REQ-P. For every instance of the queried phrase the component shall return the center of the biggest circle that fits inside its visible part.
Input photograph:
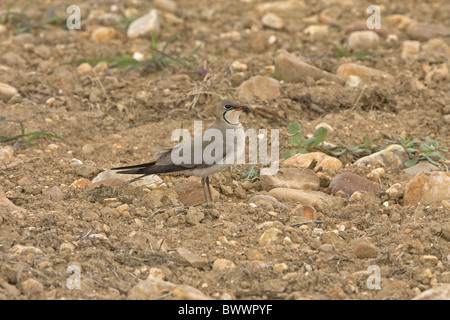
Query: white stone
(144, 26)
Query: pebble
(194, 216)
(353, 69)
(81, 183)
(253, 254)
(376, 174)
(366, 250)
(439, 291)
(427, 188)
(221, 264)
(303, 160)
(429, 259)
(239, 66)
(316, 32)
(144, 26)
(102, 34)
(84, 69)
(362, 26)
(410, 50)
(55, 194)
(280, 267)
(316, 199)
(272, 21)
(326, 247)
(191, 192)
(282, 8)
(393, 190)
(67, 246)
(151, 180)
(393, 156)
(269, 199)
(33, 289)
(421, 166)
(270, 236)
(291, 178)
(435, 50)
(193, 259)
(6, 205)
(7, 91)
(154, 289)
(348, 183)
(423, 31)
(232, 35)
(359, 41)
(20, 249)
(437, 73)
(259, 88)
(400, 21)
(291, 69)
(167, 5)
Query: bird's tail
(144, 169)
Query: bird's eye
(228, 107)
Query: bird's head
(229, 111)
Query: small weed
(251, 173)
(25, 138)
(21, 22)
(343, 52)
(426, 150)
(159, 59)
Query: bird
(227, 117)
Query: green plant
(426, 150)
(159, 59)
(251, 173)
(343, 52)
(21, 22)
(25, 138)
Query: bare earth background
(118, 235)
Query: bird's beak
(243, 108)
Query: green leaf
(287, 154)
(296, 140)
(309, 142)
(411, 162)
(320, 135)
(294, 127)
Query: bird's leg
(209, 189)
(204, 189)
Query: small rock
(394, 190)
(366, 250)
(259, 88)
(435, 50)
(154, 289)
(316, 32)
(303, 160)
(167, 5)
(102, 34)
(253, 254)
(353, 69)
(439, 291)
(437, 73)
(410, 50)
(319, 200)
(144, 26)
(282, 8)
(423, 31)
(81, 183)
(348, 183)
(393, 156)
(267, 198)
(67, 246)
(194, 216)
(427, 188)
(429, 259)
(7, 91)
(359, 41)
(19, 249)
(55, 194)
(421, 166)
(33, 289)
(151, 180)
(362, 26)
(6, 206)
(233, 35)
(239, 66)
(291, 69)
(192, 258)
(291, 178)
(223, 264)
(280, 267)
(376, 174)
(326, 247)
(191, 192)
(84, 69)
(400, 21)
(269, 236)
(272, 21)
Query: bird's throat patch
(232, 117)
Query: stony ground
(259, 239)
